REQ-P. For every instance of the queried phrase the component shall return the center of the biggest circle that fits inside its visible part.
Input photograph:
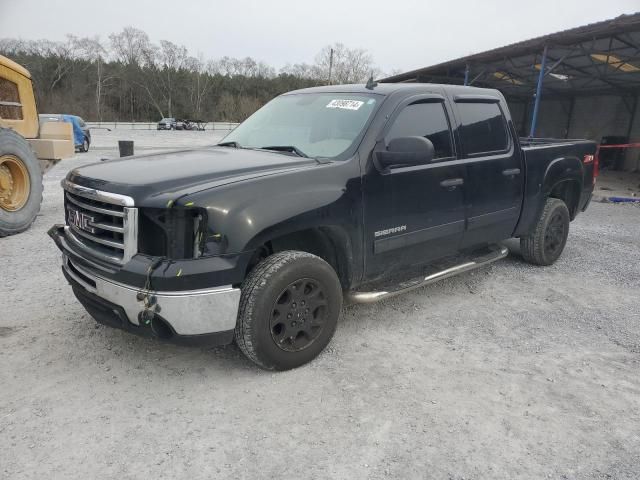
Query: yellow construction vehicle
(26, 149)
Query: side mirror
(405, 151)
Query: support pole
(466, 75)
(477, 77)
(536, 105)
(572, 103)
(632, 118)
(626, 165)
(330, 64)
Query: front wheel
(289, 310)
(85, 145)
(548, 240)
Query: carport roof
(599, 58)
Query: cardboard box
(56, 131)
(52, 149)
(55, 142)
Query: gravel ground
(508, 372)
(618, 184)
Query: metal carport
(589, 88)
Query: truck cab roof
(387, 89)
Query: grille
(101, 224)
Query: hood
(154, 179)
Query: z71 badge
(382, 233)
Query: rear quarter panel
(546, 166)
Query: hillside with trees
(130, 78)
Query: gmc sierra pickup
(353, 191)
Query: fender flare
(560, 170)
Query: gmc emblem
(80, 220)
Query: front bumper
(206, 316)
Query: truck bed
(526, 142)
(547, 157)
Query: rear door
(414, 214)
(493, 186)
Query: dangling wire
(146, 290)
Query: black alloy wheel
(555, 234)
(547, 241)
(298, 315)
(289, 308)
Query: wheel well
(569, 192)
(329, 243)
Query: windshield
(316, 124)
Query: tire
(85, 145)
(17, 158)
(549, 238)
(284, 283)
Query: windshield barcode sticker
(345, 104)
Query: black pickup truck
(343, 192)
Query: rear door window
(483, 128)
(426, 119)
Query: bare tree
(129, 77)
(131, 46)
(95, 52)
(199, 84)
(246, 105)
(63, 54)
(299, 70)
(391, 73)
(13, 46)
(172, 60)
(226, 66)
(347, 66)
(243, 67)
(226, 107)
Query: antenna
(371, 83)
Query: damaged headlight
(176, 232)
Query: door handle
(451, 182)
(511, 172)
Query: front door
(414, 214)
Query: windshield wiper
(286, 148)
(229, 144)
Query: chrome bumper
(189, 312)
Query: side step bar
(497, 253)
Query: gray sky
(400, 34)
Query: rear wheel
(548, 240)
(20, 184)
(289, 310)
